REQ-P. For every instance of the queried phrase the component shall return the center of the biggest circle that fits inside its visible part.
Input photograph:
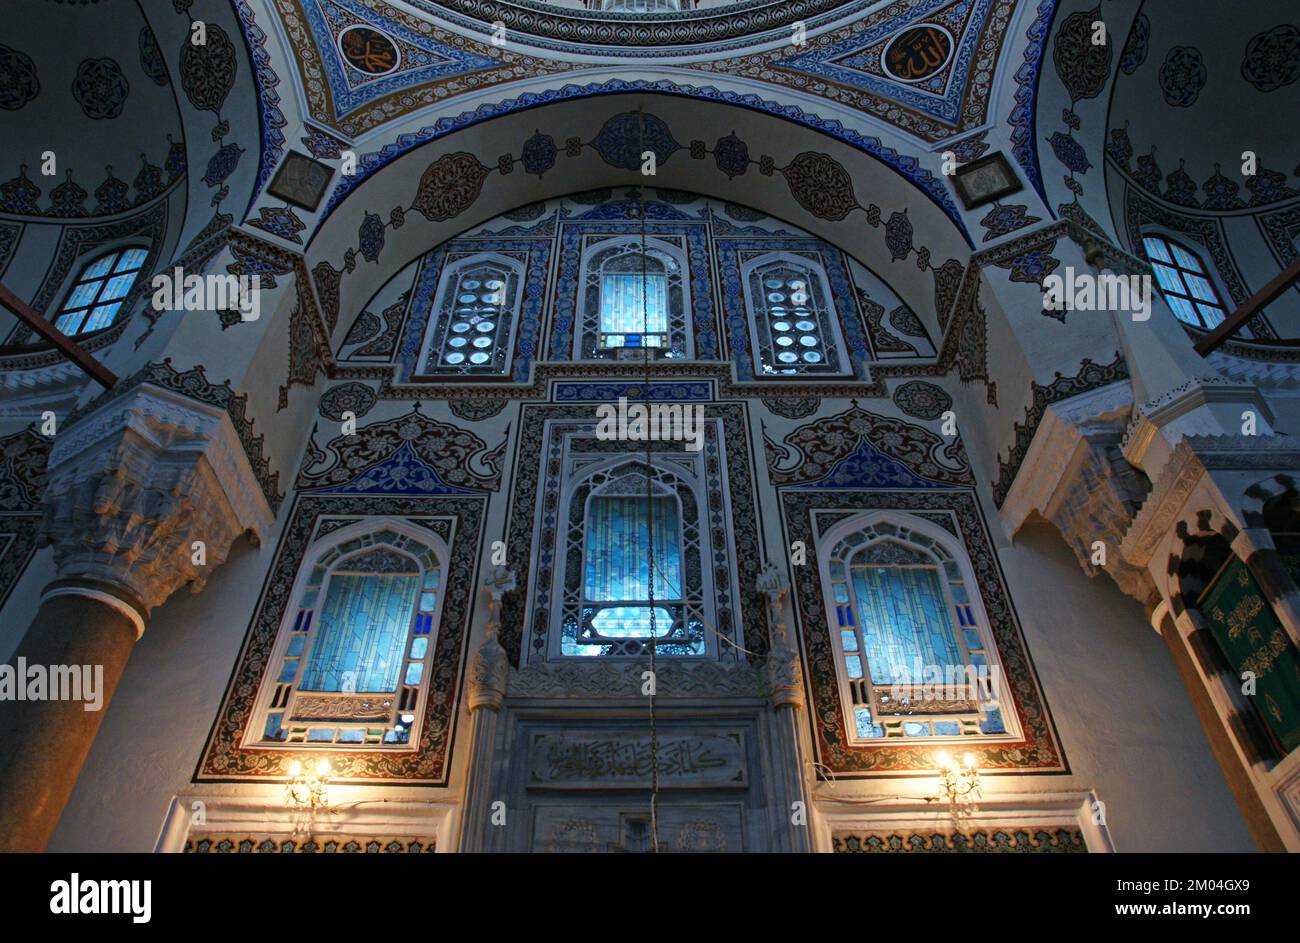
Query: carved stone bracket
(1074, 476)
(784, 675)
(490, 666)
(137, 481)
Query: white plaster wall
(1124, 716)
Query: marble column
(147, 492)
(486, 690)
(791, 796)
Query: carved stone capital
(134, 483)
(784, 678)
(488, 671)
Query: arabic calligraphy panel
(918, 53)
(603, 761)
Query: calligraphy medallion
(917, 53)
(369, 50)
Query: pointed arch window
(914, 654)
(1186, 282)
(793, 323)
(350, 666)
(633, 299)
(614, 516)
(97, 296)
(473, 320)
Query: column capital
(490, 666)
(136, 481)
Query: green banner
(1252, 638)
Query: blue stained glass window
(866, 726)
(633, 309)
(905, 621)
(617, 565)
(363, 628)
(992, 722)
(96, 298)
(1183, 281)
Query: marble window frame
(697, 597)
(253, 734)
(842, 367)
(587, 321)
(828, 545)
(446, 277)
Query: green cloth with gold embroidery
(1252, 638)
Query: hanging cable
(649, 500)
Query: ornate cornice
(638, 34)
(605, 679)
(1091, 377)
(147, 491)
(1050, 449)
(194, 384)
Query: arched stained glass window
(350, 667)
(915, 660)
(1185, 282)
(100, 291)
(472, 323)
(633, 300)
(792, 318)
(614, 517)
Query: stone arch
(830, 186)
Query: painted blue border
(425, 291)
(909, 168)
(1023, 120)
(945, 107)
(348, 96)
(269, 114)
(844, 303)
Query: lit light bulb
(944, 758)
(969, 760)
(323, 767)
(295, 768)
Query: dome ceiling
(560, 26)
(925, 68)
(1195, 89)
(89, 86)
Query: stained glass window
(633, 310)
(634, 297)
(620, 531)
(913, 658)
(471, 326)
(1185, 283)
(614, 519)
(904, 620)
(100, 291)
(363, 625)
(352, 663)
(792, 317)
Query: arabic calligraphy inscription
(918, 53)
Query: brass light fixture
(307, 789)
(960, 783)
